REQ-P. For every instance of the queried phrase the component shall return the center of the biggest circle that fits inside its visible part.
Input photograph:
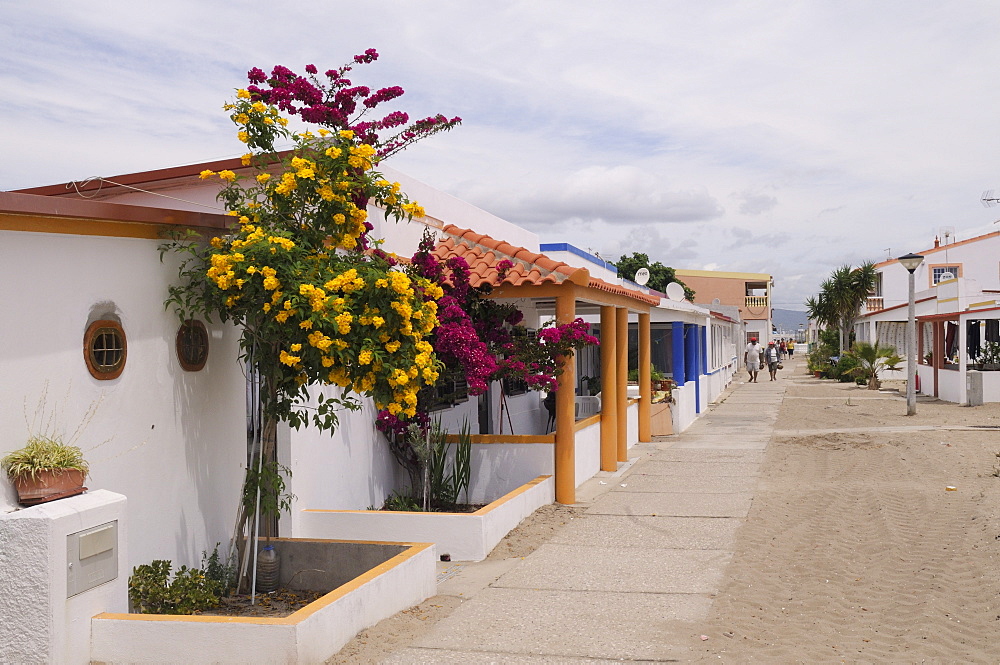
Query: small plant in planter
(46, 469)
(990, 356)
(151, 591)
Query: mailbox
(91, 558)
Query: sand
(854, 549)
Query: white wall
(587, 446)
(173, 442)
(978, 260)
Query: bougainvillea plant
(482, 338)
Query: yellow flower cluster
(346, 282)
(361, 156)
(288, 184)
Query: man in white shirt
(751, 358)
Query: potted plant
(990, 356)
(46, 469)
(656, 378)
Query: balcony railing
(756, 302)
(875, 303)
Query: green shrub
(151, 591)
(221, 572)
(402, 502)
(844, 371)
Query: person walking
(772, 357)
(791, 347)
(751, 358)
(782, 349)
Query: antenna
(947, 234)
(888, 253)
(988, 200)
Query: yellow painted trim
(80, 227)
(485, 509)
(356, 583)
(759, 276)
(586, 422)
(505, 438)
(947, 299)
(296, 617)
(985, 303)
(510, 495)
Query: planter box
(465, 536)
(373, 581)
(49, 485)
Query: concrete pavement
(633, 577)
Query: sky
(782, 137)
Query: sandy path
(854, 551)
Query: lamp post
(911, 262)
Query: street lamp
(911, 262)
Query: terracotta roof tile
(483, 253)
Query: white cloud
(841, 127)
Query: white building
(957, 298)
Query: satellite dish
(675, 291)
(642, 276)
(716, 301)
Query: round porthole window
(104, 349)
(192, 345)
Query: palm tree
(841, 298)
(872, 361)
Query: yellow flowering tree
(317, 304)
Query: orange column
(565, 454)
(609, 390)
(621, 369)
(645, 386)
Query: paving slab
(643, 531)
(717, 442)
(583, 624)
(676, 504)
(584, 568)
(674, 454)
(641, 482)
(654, 467)
(418, 656)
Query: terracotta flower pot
(49, 485)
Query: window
(451, 389)
(105, 349)
(938, 272)
(192, 345)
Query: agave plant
(872, 360)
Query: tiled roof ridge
(528, 260)
(528, 263)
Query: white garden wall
(173, 442)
